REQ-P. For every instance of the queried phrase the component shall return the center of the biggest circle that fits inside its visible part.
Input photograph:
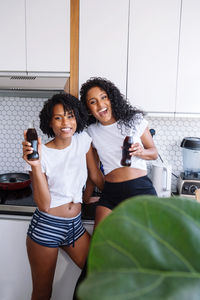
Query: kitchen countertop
(24, 205)
(21, 203)
(88, 210)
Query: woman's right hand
(27, 149)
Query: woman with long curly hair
(111, 119)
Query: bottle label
(34, 145)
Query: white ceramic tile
(168, 137)
(15, 115)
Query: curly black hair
(70, 103)
(123, 112)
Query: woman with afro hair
(58, 178)
(111, 119)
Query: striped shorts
(52, 231)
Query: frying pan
(14, 181)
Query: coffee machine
(189, 179)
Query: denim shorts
(116, 192)
(52, 231)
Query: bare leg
(101, 213)
(79, 252)
(43, 263)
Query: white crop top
(108, 141)
(66, 170)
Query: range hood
(33, 84)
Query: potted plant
(147, 248)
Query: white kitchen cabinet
(188, 93)
(15, 274)
(48, 35)
(35, 36)
(153, 54)
(12, 36)
(103, 40)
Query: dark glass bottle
(126, 157)
(32, 138)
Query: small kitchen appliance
(161, 178)
(189, 179)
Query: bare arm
(94, 172)
(148, 151)
(89, 188)
(40, 189)
(38, 178)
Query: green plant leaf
(147, 248)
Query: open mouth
(103, 111)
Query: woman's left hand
(136, 149)
(147, 149)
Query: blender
(189, 179)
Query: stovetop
(19, 202)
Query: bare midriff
(68, 210)
(124, 174)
